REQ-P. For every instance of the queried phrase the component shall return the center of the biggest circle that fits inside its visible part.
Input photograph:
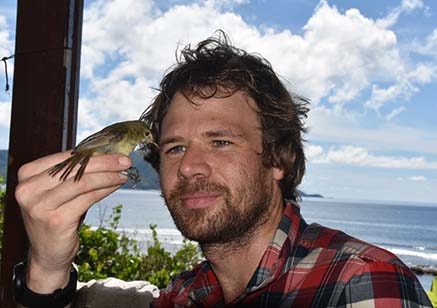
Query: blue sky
(369, 68)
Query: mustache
(188, 187)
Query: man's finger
(40, 165)
(81, 204)
(89, 183)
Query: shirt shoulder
(327, 254)
(330, 255)
(317, 237)
(333, 267)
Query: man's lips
(199, 200)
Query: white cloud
(6, 50)
(125, 55)
(359, 156)
(5, 114)
(406, 6)
(430, 46)
(338, 58)
(122, 100)
(404, 88)
(338, 55)
(110, 30)
(410, 5)
(143, 42)
(5, 41)
(225, 4)
(418, 178)
(425, 47)
(380, 96)
(345, 127)
(407, 82)
(423, 73)
(394, 113)
(314, 152)
(414, 178)
(6, 44)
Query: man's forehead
(232, 115)
(235, 101)
(208, 127)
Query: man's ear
(278, 174)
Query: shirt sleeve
(382, 284)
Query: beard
(233, 220)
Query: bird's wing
(101, 139)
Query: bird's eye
(147, 134)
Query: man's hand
(52, 212)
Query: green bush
(106, 252)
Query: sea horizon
(330, 198)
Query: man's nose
(194, 164)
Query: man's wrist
(27, 297)
(43, 281)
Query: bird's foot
(133, 175)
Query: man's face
(212, 176)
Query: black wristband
(27, 298)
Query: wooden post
(44, 105)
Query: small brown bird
(122, 138)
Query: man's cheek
(168, 183)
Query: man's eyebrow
(222, 133)
(168, 140)
(219, 133)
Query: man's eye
(221, 143)
(175, 150)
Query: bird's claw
(133, 175)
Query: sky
(368, 67)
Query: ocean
(409, 230)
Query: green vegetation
(106, 252)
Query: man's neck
(235, 263)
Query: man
(231, 157)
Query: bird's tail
(69, 165)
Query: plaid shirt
(307, 266)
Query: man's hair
(214, 68)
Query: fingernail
(124, 161)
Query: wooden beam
(44, 105)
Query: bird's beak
(145, 145)
(154, 143)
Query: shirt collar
(205, 284)
(282, 245)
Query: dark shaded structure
(44, 105)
